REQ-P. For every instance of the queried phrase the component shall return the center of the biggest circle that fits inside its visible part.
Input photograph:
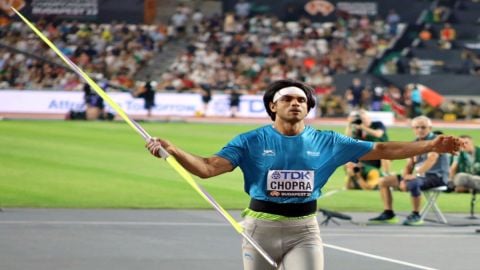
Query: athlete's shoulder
(258, 132)
(326, 133)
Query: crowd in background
(114, 52)
(406, 102)
(237, 52)
(439, 33)
(252, 51)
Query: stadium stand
(113, 51)
(192, 48)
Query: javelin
(163, 153)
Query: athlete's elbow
(204, 174)
(382, 151)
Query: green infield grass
(57, 164)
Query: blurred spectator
(147, 92)
(360, 126)
(393, 19)
(414, 100)
(206, 93)
(376, 99)
(262, 48)
(354, 94)
(421, 172)
(197, 19)
(229, 25)
(332, 105)
(184, 9)
(115, 50)
(361, 176)
(447, 37)
(465, 168)
(95, 108)
(179, 21)
(425, 34)
(440, 13)
(243, 8)
(235, 92)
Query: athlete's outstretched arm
(203, 167)
(401, 150)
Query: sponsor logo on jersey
(268, 152)
(290, 183)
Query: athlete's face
(421, 129)
(290, 108)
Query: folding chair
(431, 196)
(472, 204)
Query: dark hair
(277, 85)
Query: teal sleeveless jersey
(290, 169)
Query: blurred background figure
(361, 176)
(243, 8)
(95, 108)
(421, 172)
(465, 168)
(206, 92)
(360, 126)
(235, 94)
(376, 99)
(447, 37)
(147, 92)
(413, 100)
(354, 94)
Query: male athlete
(285, 165)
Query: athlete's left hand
(447, 144)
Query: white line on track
(331, 192)
(378, 257)
(402, 235)
(107, 223)
(337, 233)
(213, 224)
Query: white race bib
(290, 183)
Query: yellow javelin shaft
(170, 160)
(186, 175)
(134, 125)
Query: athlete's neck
(289, 129)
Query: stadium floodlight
(163, 153)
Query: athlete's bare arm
(401, 150)
(203, 167)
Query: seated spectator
(465, 168)
(425, 34)
(421, 172)
(447, 36)
(361, 176)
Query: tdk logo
(291, 175)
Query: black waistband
(284, 209)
